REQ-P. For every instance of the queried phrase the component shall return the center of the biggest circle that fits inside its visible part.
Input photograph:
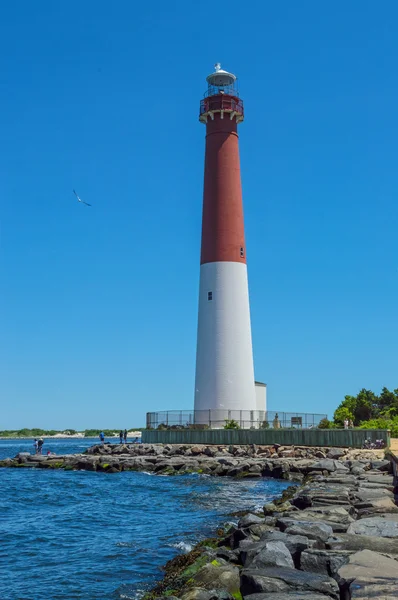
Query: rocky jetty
(291, 463)
(336, 537)
(332, 536)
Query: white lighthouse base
(224, 359)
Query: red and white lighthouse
(224, 358)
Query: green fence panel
(340, 438)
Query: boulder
(294, 543)
(271, 554)
(195, 594)
(281, 579)
(292, 596)
(343, 541)
(217, 575)
(23, 456)
(381, 465)
(374, 526)
(310, 529)
(331, 513)
(364, 494)
(377, 507)
(314, 495)
(272, 508)
(381, 479)
(258, 530)
(323, 561)
(336, 453)
(329, 465)
(369, 574)
(231, 556)
(196, 450)
(357, 471)
(250, 519)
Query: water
(84, 535)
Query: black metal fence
(243, 419)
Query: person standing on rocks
(40, 445)
(121, 436)
(102, 437)
(125, 436)
(36, 445)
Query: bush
(391, 424)
(325, 424)
(231, 424)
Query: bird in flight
(80, 200)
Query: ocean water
(84, 535)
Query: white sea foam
(184, 546)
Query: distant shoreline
(74, 436)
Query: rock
(357, 470)
(336, 453)
(23, 456)
(331, 513)
(321, 455)
(196, 450)
(294, 543)
(314, 495)
(271, 508)
(280, 579)
(364, 494)
(211, 451)
(292, 596)
(326, 465)
(271, 554)
(377, 507)
(259, 530)
(196, 594)
(249, 519)
(343, 541)
(379, 479)
(216, 575)
(381, 465)
(368, 485)
(237, 536)
(323, 561)
(231, 556)
(374, 526)
(370, 575)
(311, 530)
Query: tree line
(368, 411)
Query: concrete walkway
(394, 446)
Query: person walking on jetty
(121, 436)
(125, 436)
(36, 445)
(40, 445)
(102, 437)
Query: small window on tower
(210, 295)
(242, 252)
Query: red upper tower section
(223, 237)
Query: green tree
(388, 403)
(341, 414)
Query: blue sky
(98, 305)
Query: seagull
(80, 200)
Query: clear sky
(98, 305)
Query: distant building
(261, 395)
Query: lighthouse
(224, 381)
